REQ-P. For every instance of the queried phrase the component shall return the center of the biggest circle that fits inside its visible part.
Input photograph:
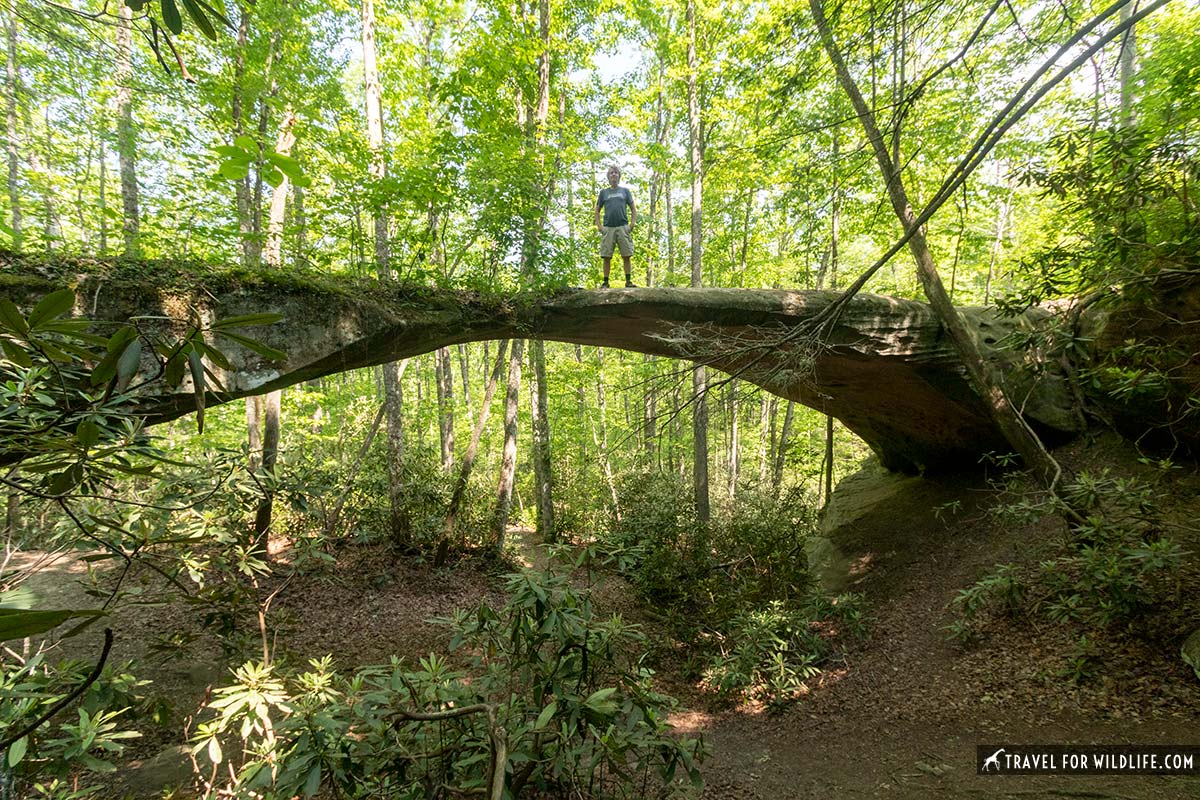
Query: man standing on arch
(615, 229)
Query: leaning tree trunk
(988, 386)
(468, 460)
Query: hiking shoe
(628, 284)
(604, 285)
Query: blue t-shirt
(613, 201)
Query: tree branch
(66, 701)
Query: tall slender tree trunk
(378, 166)
(238, 108)
(464, 364)
(835, 207)
(253, 432)
(264, 121)
(12, 85)
(1002, 212)
(734, 444)
(581, 405)
(270, 454)
(126, 135)
(699, 379)
(541, 444)
(988, 386)
(299, 227)
(694, 148)
(508, 463)
(103, 197)
(272, 401)
(52, 228)
(273, 254)
(829, 265)
(781, 449)
(650, 408)
(765, 433)
(600, 432)
(670, 225)
(656, 180)
(393, 398)
(392, 372)
(828, 459)
(444, 377)
(542, 467)
(1127, 59)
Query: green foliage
(738, 589)
(770, 653)
(578, 714)
(55, 752)
(1002, 589)
(1114, 567)
(1083, 661)
(245, 153)
(65, 420)
(1123, 190)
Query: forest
(337, 464)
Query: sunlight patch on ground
(690, 722)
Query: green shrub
(64, 753)
(575, 712)
(1111, 568)
(737, 591)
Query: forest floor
(898, 716)
(902, 716)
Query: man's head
(614, 175)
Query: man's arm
(599, 205)
(632, 211)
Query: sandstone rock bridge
(886, 369)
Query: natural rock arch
(885, 370)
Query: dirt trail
(903, 716)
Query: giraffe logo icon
(993, 760)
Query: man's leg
(607, 268)
(627, 259)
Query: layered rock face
(885, 369)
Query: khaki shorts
(617, 238)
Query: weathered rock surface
(1147, 362)
(834, 557)
(885, 369)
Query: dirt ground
(903, 715)
(899, 716)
